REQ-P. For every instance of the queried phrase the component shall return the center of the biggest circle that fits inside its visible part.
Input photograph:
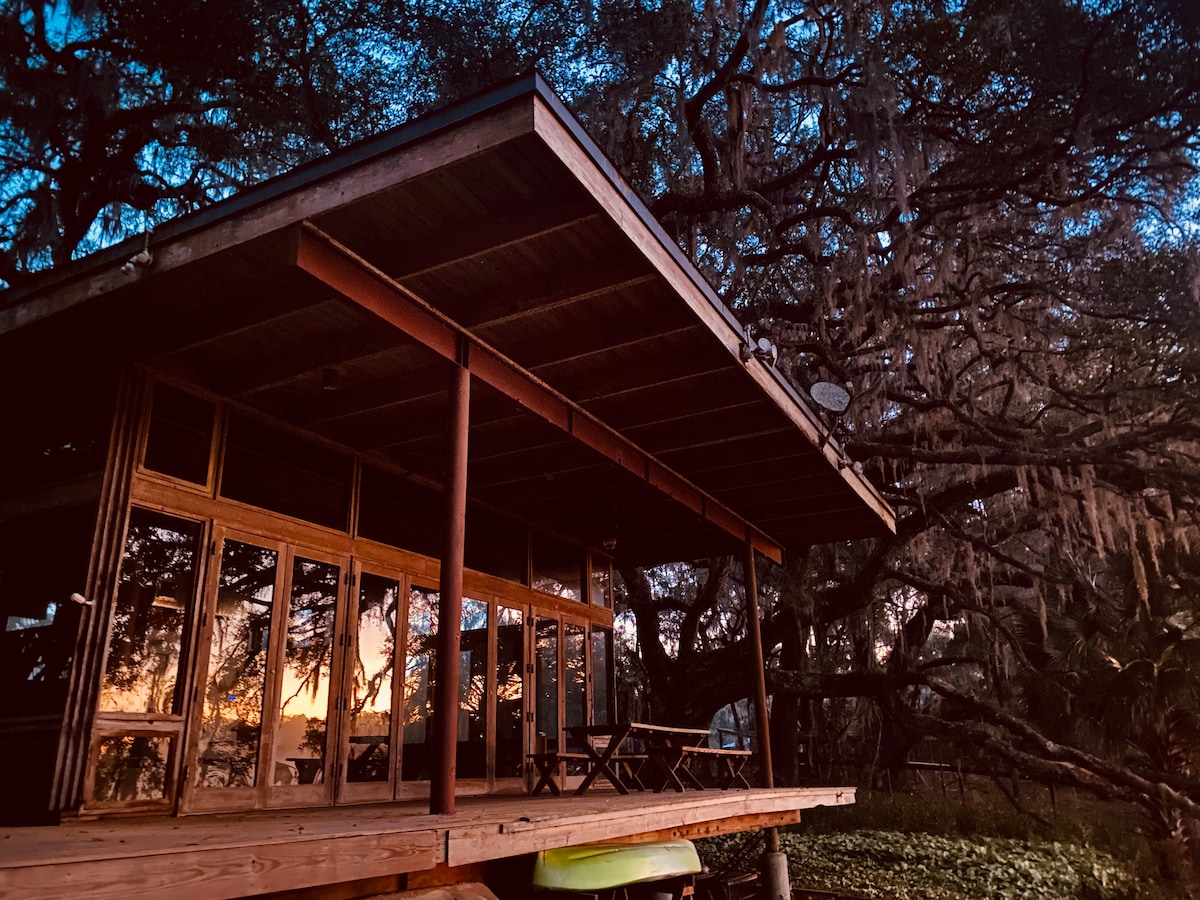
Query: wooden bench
(627, 766)
(674, 765)
(547, 764)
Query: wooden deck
(218, 856)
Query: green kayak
(596, 866)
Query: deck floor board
(236, 854)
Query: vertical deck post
(760, 674)
(446, 660)
(774, 862)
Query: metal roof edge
(570, 122)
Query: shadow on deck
(238, 855)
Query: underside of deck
(293, 850)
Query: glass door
(143, 697)
(575, 710)
(240, 617)
(546, 667)
(376, 621)
(473, 673)
(304, 740)
(510, 694)
(416, 701)
(265, 665)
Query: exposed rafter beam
(360, 283)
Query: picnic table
(609, 751)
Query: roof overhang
(610, 389)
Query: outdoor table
(307, 768)
(604, 745)
(372, 741)
(674, 764)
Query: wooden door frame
(192, 797)
(511, 783)
(347, 792)
(277, 796)
(411, 790)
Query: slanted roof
(609, 389)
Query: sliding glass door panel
(375, 623)
(301, 761)
(240, 622)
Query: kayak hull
(598, 866)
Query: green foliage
(907, 866)
(931, 867)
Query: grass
(937, 843)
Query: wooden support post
(446, 660)
(760, 674)
(761, 716)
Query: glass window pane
(399, 512)
(371, 679)
(231, 726)
(306, 667)
(600, 590)
(557, 567)
(546, 687)
(471, 760)
(180, 438)
(284, 473)
(601, 673)
(418, 683)
(131, 767)
(56, 429)
(43, 559)
(153, 606)
(575, 660)
(496, 545)
(510, 692)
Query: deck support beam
(774, 863)
(450, 587)
(761, 721)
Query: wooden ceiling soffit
(563, 357)
(513, 303)
(574, 150)
(338, 268)
(343, 350)
(307, 192)
(460, 244)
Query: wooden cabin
(258, 464)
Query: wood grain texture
(225, 872)
(233, 855)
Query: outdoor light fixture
(762, 350)
(139, 260)
(612, 533)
